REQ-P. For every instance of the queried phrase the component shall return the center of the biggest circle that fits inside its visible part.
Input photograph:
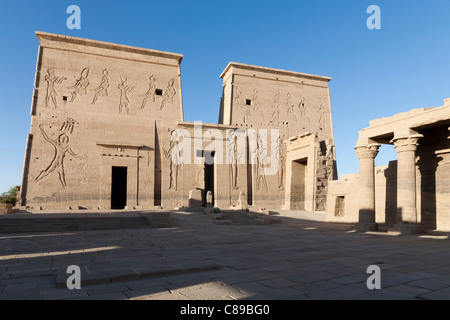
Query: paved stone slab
(282, 261)
(213, 291)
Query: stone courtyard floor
(196, 259)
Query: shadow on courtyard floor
(187, 256)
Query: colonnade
(406, 182)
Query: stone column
(406, 180)
(366, 156)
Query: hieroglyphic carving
(279, 157)
(321, 120)
(51, 91)
(255, 104)
(168, 94)
(173, 154)
(81, 84)
(290, 108)
(235, 156)
(198, 174)
(255, 101)
(281, 172)
(238, 100)
(124, 101)
(102, 89)
(84, 168)
(62, 147)
(276, 108)
(304, 113)
(261, 159)
(247, 113)
(150, 94)
(240, 103)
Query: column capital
(407, 143)
(369, 151)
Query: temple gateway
(108, 132)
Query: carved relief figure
(304, 110)
(102, 89)
(235, 155)
(51, 91)
(238, 100)
(281, 172)
(279, 158)
(62, 147)
(247, 113)
(290, 108)
(83, 167)
(168, 94)
(261, 158)
(321, 116)
(173, 154)
(150, 94)
(276, 108)
(149, 158)
(81, 84)
(198, 175)
(255, 102)
(124, 101)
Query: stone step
(120, 273)
(46, 224)
(223, 222)
(242, 217)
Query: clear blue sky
(376, 73)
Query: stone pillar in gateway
(366, 156)
(406, 178)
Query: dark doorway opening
(298, 184)
(209, 175)
(119, 188)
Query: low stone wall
(6, 208)
(342, 199)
